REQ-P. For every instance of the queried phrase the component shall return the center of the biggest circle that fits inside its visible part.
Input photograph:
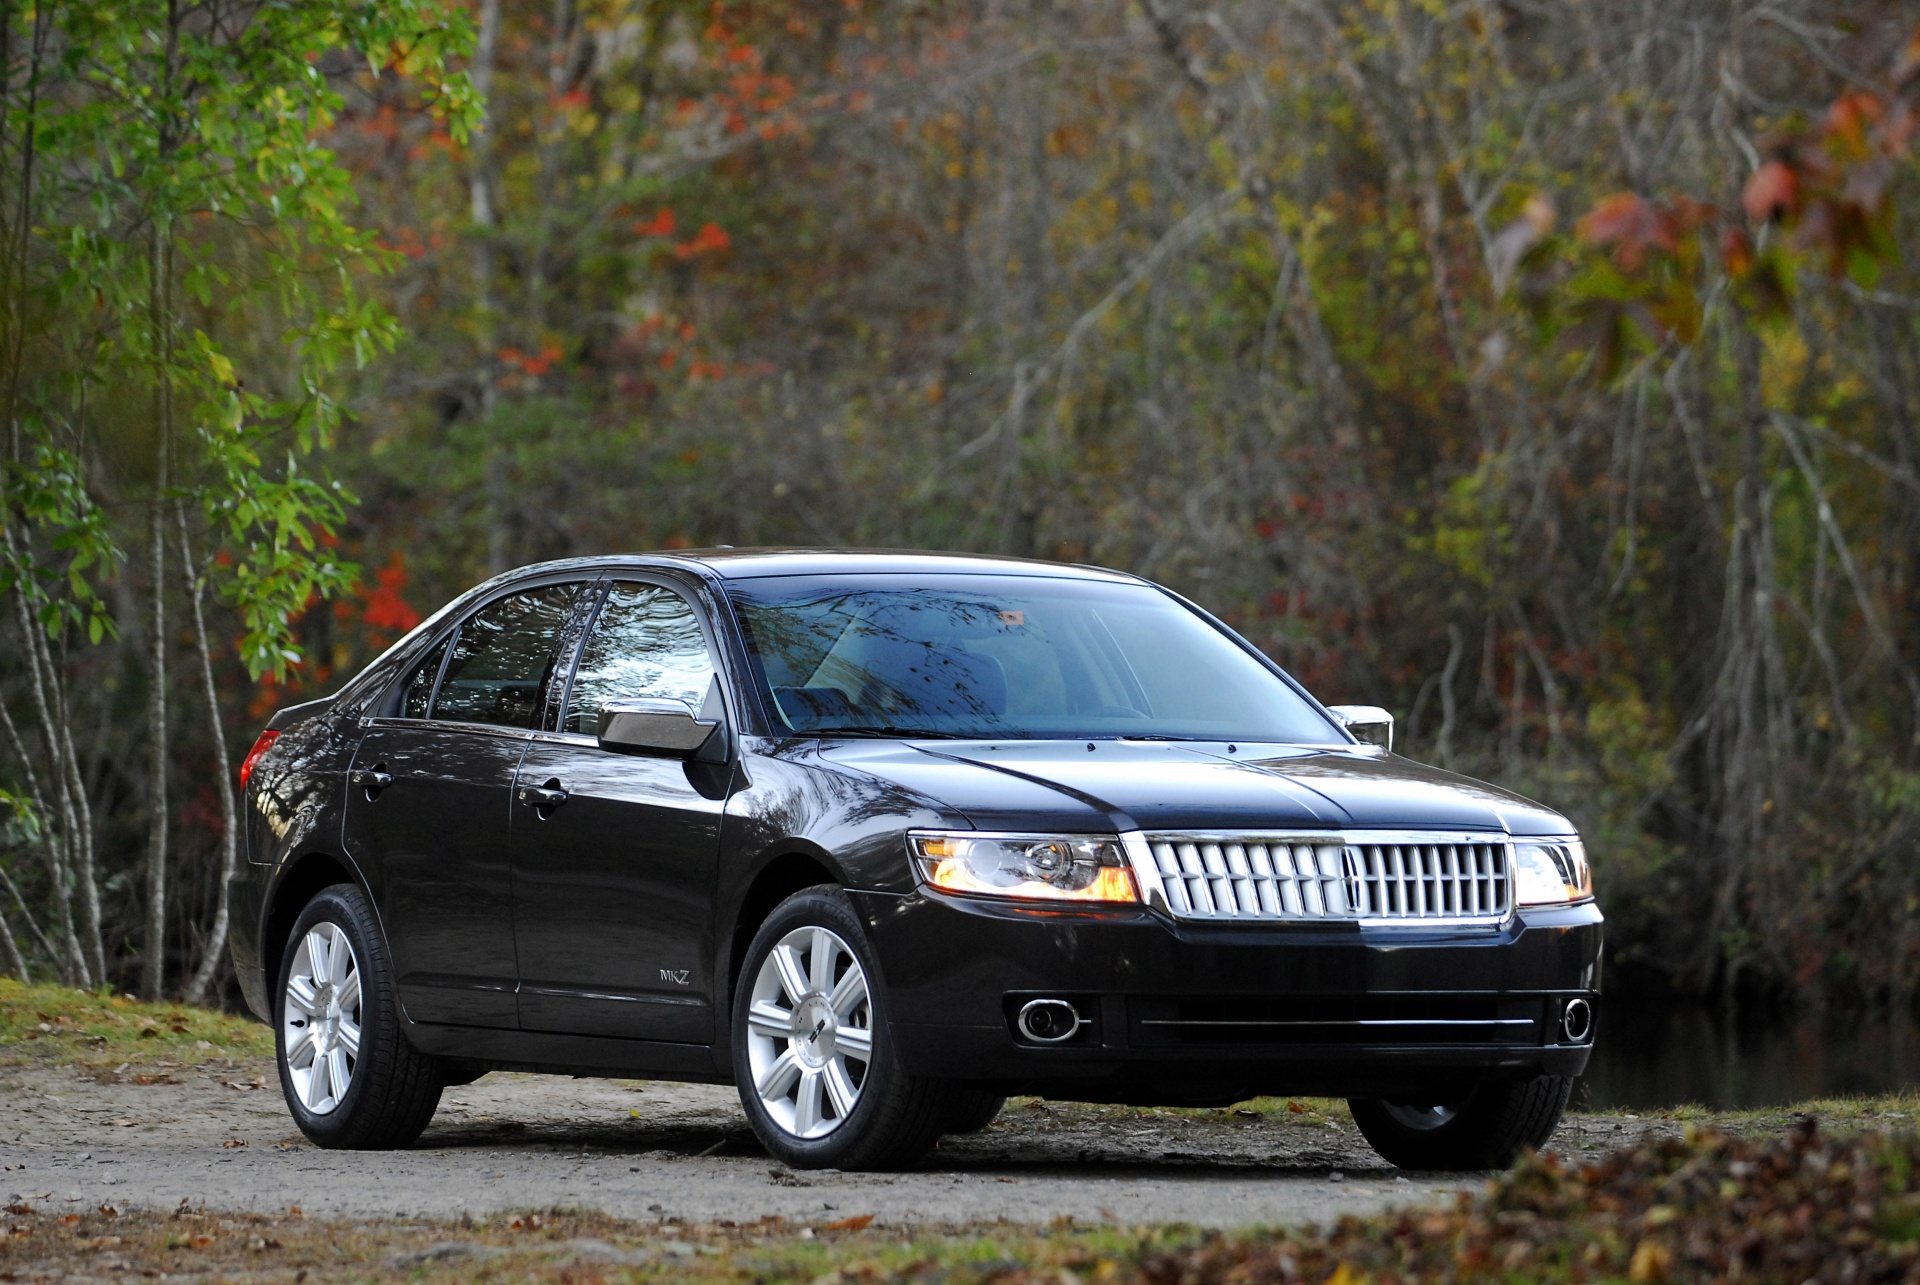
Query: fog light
(1049, 1021)
(1576, 1021)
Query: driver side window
(647, 642)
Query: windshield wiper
(883, 730)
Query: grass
(561, 1245)
(1889, 1110)
(47, 1024)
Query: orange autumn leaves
(518, 364)
(710, 239)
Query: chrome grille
(1364, 876)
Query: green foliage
(47, 492)
(178, 156)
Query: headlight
(1035, 867)
(1551, 874)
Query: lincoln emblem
(1350, 867)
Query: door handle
(372, 779)
(543, 798)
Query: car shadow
(997, 1153)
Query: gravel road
(219, 1136)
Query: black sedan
(883, 838)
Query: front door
(428, 808)
(614, 853)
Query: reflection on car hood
(1160, 785)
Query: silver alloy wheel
(810, 1032)
(321, 1019)
(1422, 1116)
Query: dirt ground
(218, 1136)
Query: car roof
(745, 564)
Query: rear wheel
(350, 1078)
(1482, 1129)
(971, 1110)
(813, 1050)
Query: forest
(1543, 370)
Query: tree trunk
(223, 769)
(15, 959)
(153, 971)
(480, 200)
(46, 947)
(56, 822)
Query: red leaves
(1850, 117)
(385, 608)
(660, 224)
(533, 363)
(711, 238)
(1632, 226)
(1825, 186)
(1772, 193)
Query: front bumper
(1186, 1014)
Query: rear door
(428, 805)
(614, 853)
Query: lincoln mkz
(882, 838)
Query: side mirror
(655, 725)
(1368, 723)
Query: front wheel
(812, 1049)
(1483, 1129)
(350, 1078)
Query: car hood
(1159, 785)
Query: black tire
(970, 1110)
(1485, 1129)
(896, 1117)
(392, 1090)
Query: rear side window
(419, 691)
(503, 658)
(647, 642)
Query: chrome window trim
(446, 725)
(567, 738)
(1138, 846)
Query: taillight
(254, 755)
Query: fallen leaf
(1650, 1261)
(855, 1223)
(231, 1143)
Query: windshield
(1006, 656)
